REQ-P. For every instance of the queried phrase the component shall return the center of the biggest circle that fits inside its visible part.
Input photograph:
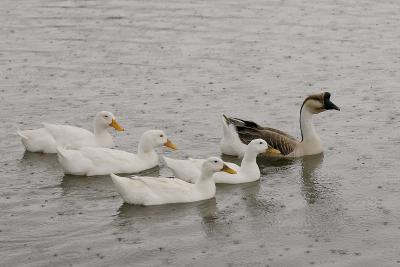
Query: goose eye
(215, 161)
(260, 143)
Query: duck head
(214, 164)
(156, 138)
(258, 146)
(318, 103)
(105, 119)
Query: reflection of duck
(309, 165)
(171, 214)
(86, 186)
(205, 208)
(324, 214)
(49, 161)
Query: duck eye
(215, 161)
(260, 143)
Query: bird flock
(81, 152)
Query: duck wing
(249, 130)
(71, 136)
(151, 190)
(187, 170)
(252, 124)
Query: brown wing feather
(279, 132)
(249, 130)
(282, 142)
(246, 135)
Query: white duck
(238, 133)
(146, 191)
(189, 170)
(91, 161)
(48, 138)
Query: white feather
(160, 190)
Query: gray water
(177, 66)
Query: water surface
(177, 66)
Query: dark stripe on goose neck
(313, 97)
(301, 129)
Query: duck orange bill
(170, 144)
(271, 150)
(116, 126)
(228, 170)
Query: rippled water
(177, 66)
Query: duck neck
(145, 148)
(249, 159)
(308, 133)
(147, 154)
(205, 178)
(249, 167)
(102, 135)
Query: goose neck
(308, 131)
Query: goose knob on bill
(91, 161)
(147, 191)
(48, 138)
(190, 170)
(237, 133)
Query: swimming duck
(237, 132)
(189, 170)
(147, 191)
(91, 161)
(48, 138)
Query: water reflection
(324, 212)
(267, 161)
(39, 160)
(83, 185)
(253, 202)
(264, 161)
(247, 192)
(309, 167)
(232, 159)
(205, 208)
(244, 201)
(128, 215)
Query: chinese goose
(189, 170)
(239, 132)
(48, 138)
(147, 191)
(91, 161)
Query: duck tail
(243, 123)
(61, 151)
(230, 143)
(26, 141)
(229, 124)
(114, 178)
(22, 135)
